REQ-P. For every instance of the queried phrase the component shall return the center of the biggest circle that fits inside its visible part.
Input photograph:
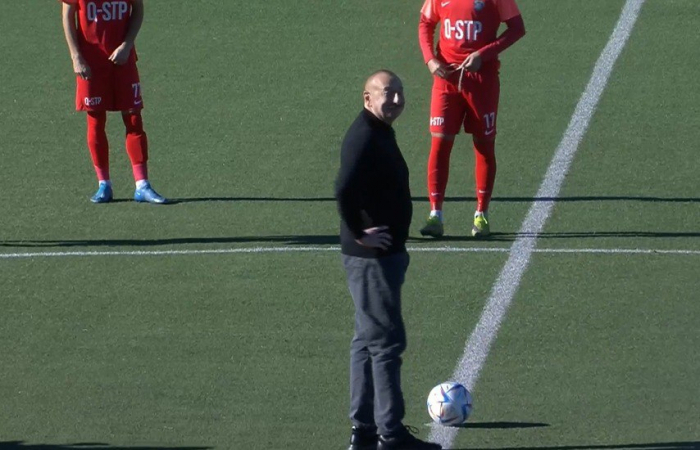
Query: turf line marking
(229, 251)
(477, 347)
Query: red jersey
(102, 27)
(467, 25)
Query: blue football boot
(146, 194)
(103, 194)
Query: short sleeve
(429, 11)
(507, 9)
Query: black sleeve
(351, 186)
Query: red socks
(438, 170)
(485, 172)
(136, 145)
(97, 143)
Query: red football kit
(466, 99)
(102, 26)
(465, 27)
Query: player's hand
(81, 68)
(439, 69)
(376, 237)
(472, 63)
(121, 54)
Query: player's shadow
(690, 445)
(589, 198)
(595, 198)
(330, 239)
(605, 234)
(310, 240)
(20, 445)
(509, 237)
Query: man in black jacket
(374, 201)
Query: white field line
(477, 347)
(248, 250)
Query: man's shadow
(20, 445)
(680, 445)
(689, 445)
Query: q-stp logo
(92, 101)
(107, 11)
(437, 121)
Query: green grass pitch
(246, 104)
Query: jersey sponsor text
(110, 10)
(92, 101)
(437, 121)
(462, 29)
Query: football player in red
(465, 92)
(100, 36)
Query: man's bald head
(383, 95)
(379, 78)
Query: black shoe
(405, 440)
(363, 439)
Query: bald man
(374, 202)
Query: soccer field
(223, 321)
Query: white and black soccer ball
(449, 404)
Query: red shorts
(110, 88)
(475, 107)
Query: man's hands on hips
(439, 68)
(376, 237)
(121, 54)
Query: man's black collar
(374, 121)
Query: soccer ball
(449, 404)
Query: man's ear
(366, 96)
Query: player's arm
(508, 13)
(426, 34)
(514, 32)
(80, 67)
(121, 54)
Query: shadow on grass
(286, 240)
(450, 199)
(19, 445)
(331, 239)
(691, 445)
(509, 237)
(598, 234)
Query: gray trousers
(380, 339)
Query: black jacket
(372, 187)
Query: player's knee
(484, 139)
(97, 116)
(97, 121)
(133, 121)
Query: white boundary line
(249, 250)
(477, 347)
